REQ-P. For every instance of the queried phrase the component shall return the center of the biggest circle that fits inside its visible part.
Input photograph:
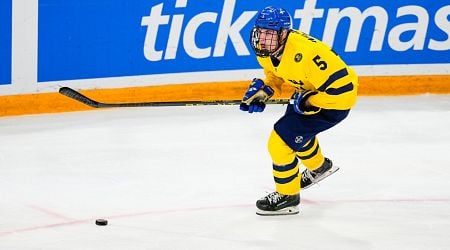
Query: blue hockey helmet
(273, 18)
(267, 37)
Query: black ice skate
(278, 204)
(310, 178)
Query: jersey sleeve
(271, 79)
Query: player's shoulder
(297, 46)
(300, 36)
(303, 40)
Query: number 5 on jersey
(320, 63)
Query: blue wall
(5, 41)
(81, 39)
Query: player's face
(268, 39)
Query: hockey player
(325, 90)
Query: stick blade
(79, 97)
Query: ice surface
(188, 178)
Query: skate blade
(284, 211)
(331, 171)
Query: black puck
(101, 222)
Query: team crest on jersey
(298, 57)
(298, 139)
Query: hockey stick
(71, 93)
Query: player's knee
(279, 151)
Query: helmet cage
(273, 40)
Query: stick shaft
(71, 93)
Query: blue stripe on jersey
(341, 90)
(286, 167)
(334, 77)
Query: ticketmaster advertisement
(81, 39)
(5, 42)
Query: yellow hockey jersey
(309, 64)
